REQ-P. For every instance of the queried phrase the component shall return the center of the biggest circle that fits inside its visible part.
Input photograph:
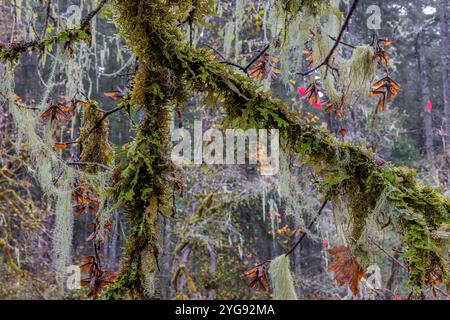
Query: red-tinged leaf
(346, 268)
(386, 42)
(275, 59)
(342, 132)
(94, 201)
(378, 84)
(317, 105)
(381, 103)
(110, 276)
(85, 282)
(429, 106)
(301, 91)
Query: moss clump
(96, 147)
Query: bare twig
(245, 69)
(343, 43)
(87, 19)
(99, 122)
(259, 55)
(309, 227)
(100, 165)
(387, 254)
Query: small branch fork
(244, 69)
(326, 61)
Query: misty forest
(348, 199)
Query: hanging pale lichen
(355, 77)
(281, 279)
(63, 229)
(55, 177)
(238, 20)
(228, 38)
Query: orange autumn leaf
(258, 276)
(85, 104)
(346, 268)
(60, 146)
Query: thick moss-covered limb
(168, 65)
(141, 188)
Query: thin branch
(259, 55)
(309, 227)
(100, 165)
(99, 122)
(343, 43)
(326, 61)
(388, 254)
(245, 69)
(216, 52)
(233, 64)
(87, 19)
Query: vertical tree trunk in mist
(445, 57)
(424, 92)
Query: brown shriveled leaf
(79, 210)
(258, 276)
(261, 67)
(99, 281)
(346, 268)
(59, 112)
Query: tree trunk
(424, 92)
(445, 57)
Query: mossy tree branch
(419, 209)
